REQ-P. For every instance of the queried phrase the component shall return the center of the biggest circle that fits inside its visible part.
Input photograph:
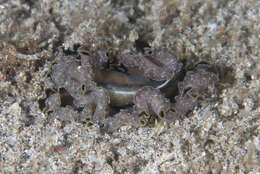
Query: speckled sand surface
(218, 137)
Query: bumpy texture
(79, 94)
(149, 102)
(157, 64)
(73, 81)
(199, 84)
(219, 136)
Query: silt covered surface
(220, 136)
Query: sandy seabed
(221, 136)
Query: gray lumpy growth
(84, 90)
